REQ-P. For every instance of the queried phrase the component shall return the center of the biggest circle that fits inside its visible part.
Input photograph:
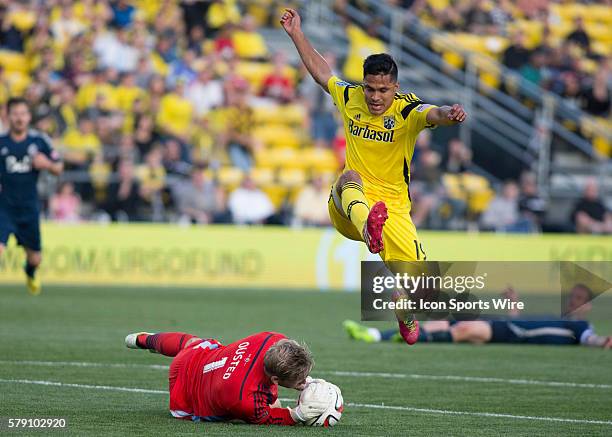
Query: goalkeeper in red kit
(212, 382)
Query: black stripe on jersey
(411, 98)
(346, 95)
(407, 178)
(253, 362)
(261, 399)
(408, 109)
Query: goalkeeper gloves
(313, 401)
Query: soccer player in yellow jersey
(381, 126)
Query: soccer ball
(332, 414)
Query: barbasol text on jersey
(370, 134)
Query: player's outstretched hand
(457, 113)
(291, 21)
(41, 162)
(608, 343)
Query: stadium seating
(61, 70)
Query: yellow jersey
(380, 147)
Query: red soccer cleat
(373, 229)
(409, 331)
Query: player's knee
(348, 176)
(34, 258)
(1, 249)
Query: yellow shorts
(399, 233)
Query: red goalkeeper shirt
(213, 382)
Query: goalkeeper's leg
(165, 343)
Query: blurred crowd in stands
(552, 43)
(179, 111)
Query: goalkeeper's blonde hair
(288, 360)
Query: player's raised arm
(446, 115)
(314, 62)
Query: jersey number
(422, 253)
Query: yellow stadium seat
(259, 11)
(440, 42)
(475, 189)
(603, 146)
(18, 82)
(276, 193)
(599, 32)
(249, 45)
(265, 158)
(492, 45)
(438, 4)
(318, 159)
(292, 177)
(599, 13)
(277, 136)
(474, 183)
(453, 58)
(23, 20)
(229, 176)
(277, 114)
(255, 72)
(479, 201)
(471, 42)
(531, 29)
(263, 176)
(148, 9)
(561, 30)
(13, 61)
(453, 187)
(488, 70)
(567, 12)
(275, 157)
(601, 48)
(589, 66)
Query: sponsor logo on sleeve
(423, 107)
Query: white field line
(467, 379)
(349, 404)
(335, 373)
(87, 386)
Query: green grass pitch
(88, 324)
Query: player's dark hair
(380, 63)
(13, 101)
